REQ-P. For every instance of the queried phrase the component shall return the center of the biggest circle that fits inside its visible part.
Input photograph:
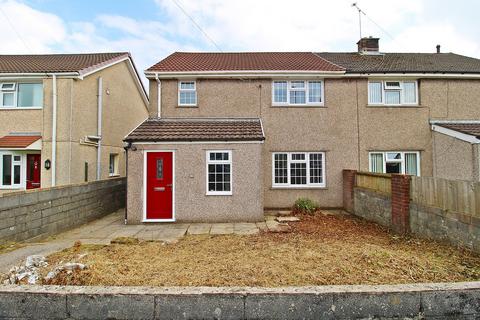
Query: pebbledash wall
(439, 209)
(39, 213)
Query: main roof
(195, 129)
(339, 62)
(57, 63)
(243, 61)
(403, 62)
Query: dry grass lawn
(321, 250)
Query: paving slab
(262, 226)
(287, 219)
(199, 228)
(222, 228)
(245, 228)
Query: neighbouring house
(230, 134)
(63, 117)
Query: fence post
(348, 185)
(401, 203)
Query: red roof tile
(12, 141)
(244, 61)
(472, 129)
(188, 129)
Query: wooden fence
(374, 181)
(451, 195)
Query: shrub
(305, 205)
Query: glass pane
(16, 174)
(314, 91)
(7, 170)
(374, 92)
(392, 97)
(7, 100)
(376, 160)
(298, 173)
(159, 168)
(297, 84)
(394, 156)
(280, 168)
(8, 86)
(280, 91)
(16, 158)
(188, 97)
(394, 167)
(298, 156)
(392, 84)
(297, 97)
(30, 95)
(187, 85)
(409, 92)
(411, 164)
(316, 168)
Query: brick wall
(43, 212)
(400, 203)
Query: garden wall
(440, 209)
(40, 213)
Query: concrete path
(103, 230)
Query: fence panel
(374, 181)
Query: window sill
(21, 108)
(395, 106)
(298, 188)
(187, 106)
(218, 194)
(114, 175)
(298, 106)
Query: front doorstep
(158, 220)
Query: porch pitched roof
(18, 141)
(195, 129)
(466, 130)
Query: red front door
(33, 171)
(159, 186)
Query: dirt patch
(320, 250)
(10, 246)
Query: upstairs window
(187, 93)
(395, 162)
(392, 92)
(21, 95)
(297, 93)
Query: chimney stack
(368, 45)
(438, 48)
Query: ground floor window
(11, 164)
(403, 162)
(298, 169)
(113, 165)
(219, 172)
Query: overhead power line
(176, 2)
(15, 30)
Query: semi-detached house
(63, 117)
(230, 134)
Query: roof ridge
(62, 54)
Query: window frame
(401, 161)
(307, 95)
(208, 161)
(187, 90)
(386, 88)
(116, 163)
(15, 91)
(21, 163)
(289, 184)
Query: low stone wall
(419, 301)
(435, 223)
(373, 206)
(43, 212)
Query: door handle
(169, 185)
(159, 189)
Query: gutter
(99, 127)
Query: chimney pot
(368, 45)
(438, 48)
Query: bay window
(402, 162)
(392, 92)
(21, 95)
(219, 172)
(297, 93)
(298, 169)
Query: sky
(152, 29)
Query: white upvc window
(219, 172)
(298, 169)
(187, 93)
(402, 162)
(393, 92)
(21, 95)
(11, 170)
(113, 165)
(297, 93)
